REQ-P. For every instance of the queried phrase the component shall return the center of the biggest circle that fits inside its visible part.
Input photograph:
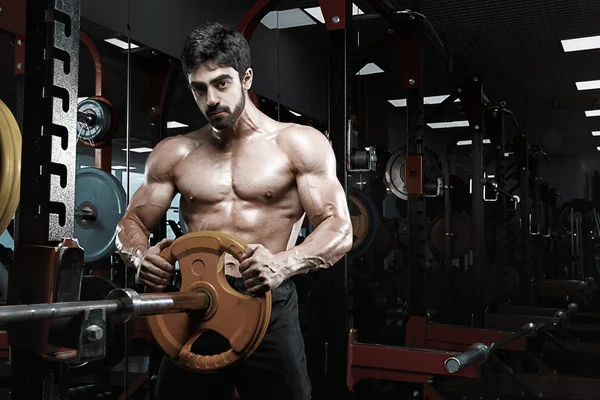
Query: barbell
(205, 301)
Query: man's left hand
(261, 270)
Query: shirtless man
(254, 178)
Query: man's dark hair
(216, 45)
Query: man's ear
(248, 77)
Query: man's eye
(223, 84)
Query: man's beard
(227, 121)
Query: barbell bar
(124, 304)
(478, 353)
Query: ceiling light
(370, 68)
(175, 124)
(317, 13)
(587, 85)
(598, 148)
(120, 167)
(595, 133)
(398, 102)
(140, 150)
(120, 43)
(451, 124)
(469, 142)
(287, 19)
(356, 10)
(295, 113)
(426, 100)
(592, 113)
(437, 99)
(584, 43)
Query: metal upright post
(46, 213)
(536, 228)
(497, 137)
(165, 83)
(338, 16)
(521, 149)
(411, 48)
(473, 101)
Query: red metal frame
(414, 165)
(334, 10)
(398, 363)
(254, 15)
(248, 25)
(421, 334)
(19, 54)
(12, 17)
(91, 46)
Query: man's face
(219, 94)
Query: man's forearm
(325, 246)
(131, 242)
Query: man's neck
(247, 124)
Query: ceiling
(515, 45)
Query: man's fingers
(163, 244)
(152, 269)
(250, 273)
(258, 289)
(152, 279)
(249, 250)
(244, 265)
(158, 261)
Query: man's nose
(212, 97)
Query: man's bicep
(150, 203)
(321, 196)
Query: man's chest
(253, 174)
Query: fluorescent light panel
(175, 124)
(598, 148)
(426, 100)
(592, 113)
(287, 19)
(584, 43)
(120, 167)
(451, 124)
(595, 133)
(588, 85)
(120, 43)
(398, 102)
(140, 150)
(369, 69)
(317, 13)
(295, 113)
(469, 142)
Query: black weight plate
(460, 239)
(103, 119)
(365, 221)
(103, 193)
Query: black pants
(276, 370)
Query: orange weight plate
(241, 319)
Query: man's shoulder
(178, 144)
(170, 151)
(296, 137)
(305, 146)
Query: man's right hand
(154, 272)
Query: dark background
(514, 45)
